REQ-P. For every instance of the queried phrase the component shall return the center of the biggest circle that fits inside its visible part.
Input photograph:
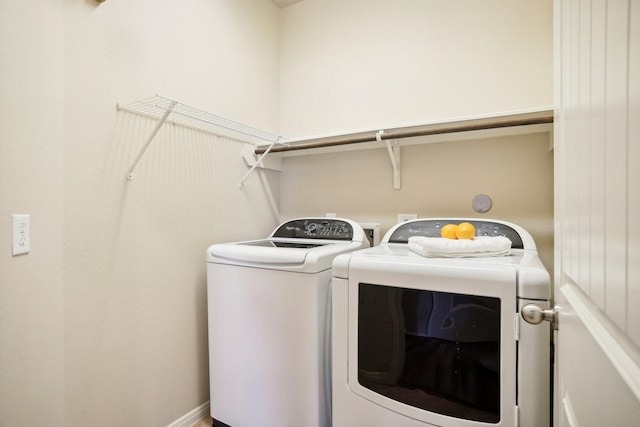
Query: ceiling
(284, 3)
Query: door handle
(533, 314)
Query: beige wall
(135, 286)
(358, 64)
(104, 322)
(122, 261)
(31, 169)
(438, 179)
(373, 64)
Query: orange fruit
(449, 231)
(465, 230)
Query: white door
(597, 262)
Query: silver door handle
(533, 314)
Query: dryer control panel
(312, 228)
(431, 228)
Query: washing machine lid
(272, 251)
(305, 245)
(278, 243)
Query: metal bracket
(257, 163)
(153, 135)
(251, 158)
(393, 148)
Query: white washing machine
(438, 341)
(269, 324)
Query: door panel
(615, 161)
(597, 152)
(633, 191)
(602, 388)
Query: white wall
(31, 169)
(367, 63)
(128, 268)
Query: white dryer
(269, 314)
(423, 341)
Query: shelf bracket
(257, 163)
(251, 158)
(153, 135)
(393, 148)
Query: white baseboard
(192, 417)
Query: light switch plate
(21, 234)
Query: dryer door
(434, 341)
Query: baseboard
(192, 417)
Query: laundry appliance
(269, 317)
(437, 341)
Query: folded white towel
(484, 246)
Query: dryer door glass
(436, 351)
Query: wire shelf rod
(168, 110)
(186, 115)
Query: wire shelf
(168, 110)
(184, 115)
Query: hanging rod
(439, 128)
(169, 111)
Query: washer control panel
(312, 228)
